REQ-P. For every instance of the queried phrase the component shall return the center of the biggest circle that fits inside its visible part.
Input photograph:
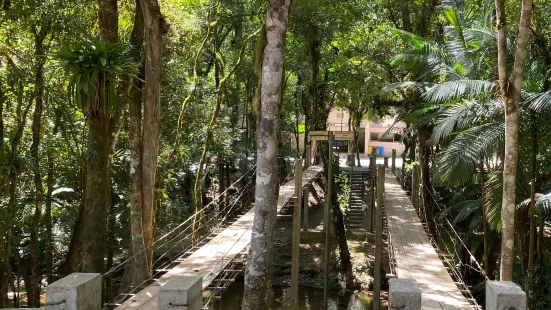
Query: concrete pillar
(404, 294)
(504, 295)
(181, 293)
(77, 291)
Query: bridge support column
(404, 294)
(77, 291)
(181, 293)
(504, 295)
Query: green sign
(301, 128)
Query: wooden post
(296, 235)
(415, 187)
(393, 167)
(386, 161)
(305, 218)
(378, 239)
(308, 156)
(373, 180)
(327, 219)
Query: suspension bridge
(416, 258)
(219, 255)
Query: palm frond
(457, 89)
(540, 102)
(463, 115)
(418, 87)
(459, 160)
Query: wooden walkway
(213, 257)
(415, 256)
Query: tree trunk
(510, 92)
(532, 211)
(96, 194)
(154, 31)
(49, 248)
(259, 263)
(33, 296)
(108, 21)
(428, 201)
(138, 269)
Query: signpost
(344, 135)
(319, 135)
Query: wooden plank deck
(213, 257)
(415, 257)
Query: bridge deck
(213, 257)
(415, 257)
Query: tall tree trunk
(96, 196)
(259, 263)
(155, 28)
(428, 202)
(510, 92)
(532, 211)
(92, 237)
(34, 295)
(49, 248)
(138, 269)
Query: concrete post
(77, 291)
(181, 293)
(404, 294)
(415, 187)
(504, 295)
(393, 167)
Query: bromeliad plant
(94, 68)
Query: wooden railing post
(295, 253)
(327, 219)
(415, 186)
(373, 181)
(378, 238)
(305, 196)
(77, 291)
(393, 167)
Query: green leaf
(103, 61)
